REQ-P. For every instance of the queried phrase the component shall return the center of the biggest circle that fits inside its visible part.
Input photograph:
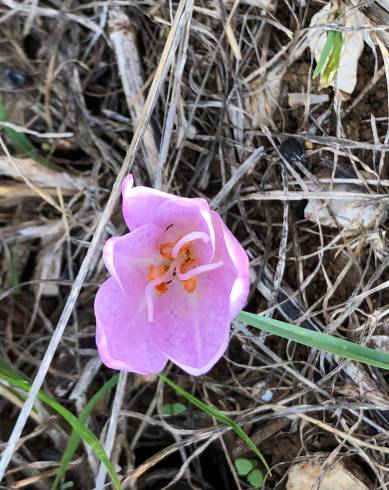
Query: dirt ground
(74, 77)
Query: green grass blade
(325, 54)
(334, 59)
(317, 340)
(213, 412)
(84, 432)
(74, 438)
(23, 144)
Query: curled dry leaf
(305, 475)
(348, 214)
(39, 175)
(49, 259)
(344, 77)
(265, 94)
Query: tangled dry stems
(220, 115)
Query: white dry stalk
(297, 99)
(169, 122)
(21, 129)
(323, 195)
(167, 54)
(113, 422)
(280, 269)
(268, 5)
(30, 19)
(124, 40)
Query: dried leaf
(265, 94)
(49, 260)
(39, 175)
(348, 214)
(15, 194)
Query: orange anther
(153, 272)
(166, 250)
(187, 266)
(186, 250)
(161, 288)
(190, 285)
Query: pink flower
(178, 279)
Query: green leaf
(213, 412)
(167, 409)
(243, 466)
(178, 408)
(317, 340)
(23, 144)
(74, 438)
(324, 56)
(255, 478)
(84, 432)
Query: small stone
(292, 150)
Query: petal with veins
(123, 335)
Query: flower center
(177, 263)
(184, 262)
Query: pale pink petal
(185, 215)
(192, 329)
(140, 204)
(123, 334)
(236, 264)
(127, 257)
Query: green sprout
(328, 63)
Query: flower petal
(127, 257)
(123, 335)
(192, 329)
(236, 264)
(182, 216)
(140, 204)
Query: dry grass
(193, 99)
